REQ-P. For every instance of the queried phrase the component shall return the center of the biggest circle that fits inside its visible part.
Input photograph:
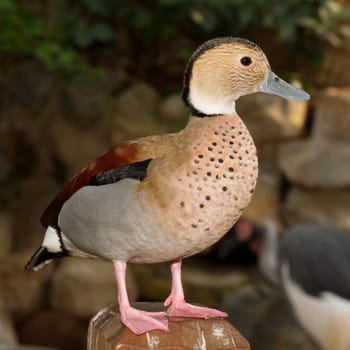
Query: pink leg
(176, 300)
(138, 321)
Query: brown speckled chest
(200, 188)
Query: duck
(310, 263)
(164, 198)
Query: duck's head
(221, 70)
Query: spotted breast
(210, 182)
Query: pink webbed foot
(139, 321)
(183, 309)
(178, 307)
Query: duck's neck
(208, 125)
(209, 104)
(203, 108)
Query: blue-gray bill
(276, 86)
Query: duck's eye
(246, 61)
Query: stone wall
(50, 128)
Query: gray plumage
(318, 257)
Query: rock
(207, 285)
(263, 316)
(5, 346)
(24, 137)
(334, 65)
(16, 144)
(266, 197)
(84, 99)
(5, 167)
(54, 328)
(330, 207)
(22, 291)
(7, 329)
(153, 280)
(279, 330)
(247, 308)
(139, 99)
(30, 84)
(332, 116)
(34, 195)
(133, 114)
(75, 147)
(324, 160)
(82, 286)
(130, 115)
(173, 109)
(271, 118)
(316, 163)
(185, 334)
(6, 233)
(203, 282)
(124, 128)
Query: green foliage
(22, 32)
(320, 18)
(60, 42)
(87, 23)
(290, 19)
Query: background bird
(239, 247)
(312, 261)
(167, 197)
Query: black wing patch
(137, 170)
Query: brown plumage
(166, 197)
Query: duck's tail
(51, 249)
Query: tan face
(223, 69)
(220, 75)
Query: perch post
(106, 332)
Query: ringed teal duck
(166, 197)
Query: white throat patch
(207, 106)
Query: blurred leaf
(185, 54)
(197, 17)
(141, 19)
(47, 52)
(59, 42)
(102, 32)
(205, 19)
(96, 6)
(345, 13)
(7, 5)
(82, 36)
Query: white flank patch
(51, 241)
